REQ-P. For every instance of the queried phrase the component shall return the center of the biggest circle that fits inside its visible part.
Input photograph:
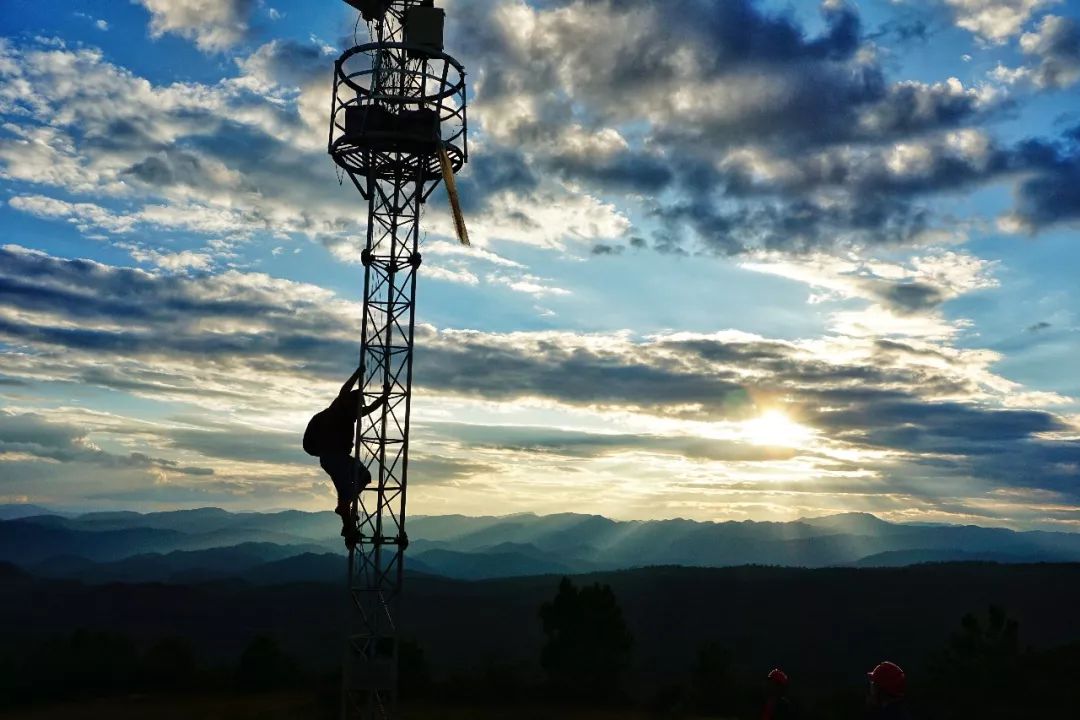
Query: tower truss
(398, 104)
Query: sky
(739, 260)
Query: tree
(414, 675)
(713, 686)
(587, 645)
(169, 664)
(263, 665)
(980, 670)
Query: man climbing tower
(329, 436)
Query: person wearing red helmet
(888, 684)
(777, 705)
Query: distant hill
(16, 511)
(176, 566)
(903, 558)
(208, 543)
(494, 563)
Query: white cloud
(442, 248)
(551, 218)
(452, 275)
(214, 25)
(175, 261)
(904, 298)
(528, 284)
(273, 176)
(85, 216)
(995, 20)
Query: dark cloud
(34, 435)
(795, 225)
(813, 89)
(626, 171)
(908, 423)
(903, 31)
(492, 171)
(234, 443)
(913, 297)
(744, 77)
(1056, 45)
(177, 167)
(426, 469)
(288, 63)
(575, 375)
(1050, 193)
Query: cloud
(1056, 45)
(917, 287)
(255, 354)
(579, 444)
(239, 158)
(729, 129)
(85, 216)
(673, 102)
(995, 20)
(33, 435)
(857, 162)
(177, 261)
(234, 151)
(1049, 193)
(214, 25)
(528, 284)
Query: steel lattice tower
(397, 124)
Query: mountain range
(210, 543)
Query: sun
(773, 427)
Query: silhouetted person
(777, 704)
(885, 701)
(329, 436)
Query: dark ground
(481, 640)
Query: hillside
(811, 621)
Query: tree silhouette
(263, 665)
(981, 669)
(92, 662)
(414, 675)
(713, 683)
(587, 644)
(169, 664)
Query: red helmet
(779, 677)
(889, 678)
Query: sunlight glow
(775, 428)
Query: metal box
(424, 27)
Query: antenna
(397, 127)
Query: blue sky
(740, 260)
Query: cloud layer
(788, 151)
(263, 352)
